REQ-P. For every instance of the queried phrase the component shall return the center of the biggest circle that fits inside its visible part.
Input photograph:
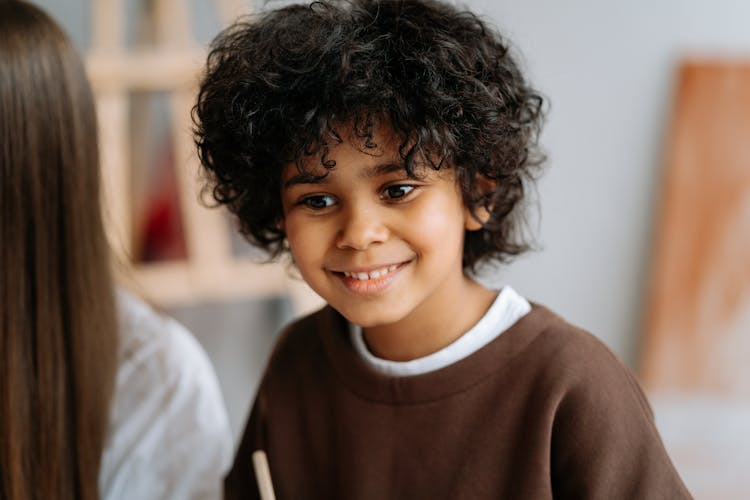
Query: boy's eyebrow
(381, 169)
(367, 173)
(304, 178)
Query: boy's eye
(318, 201)
(397, 191)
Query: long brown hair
(58, 334)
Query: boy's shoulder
(567, 342)
(580, 367)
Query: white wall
(607, 68)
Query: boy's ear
(281, 226)
(475, 219)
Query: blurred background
(642, 216)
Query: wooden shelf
(173, 65)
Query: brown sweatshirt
(544, 411)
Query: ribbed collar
(361, 379)
(507, 308)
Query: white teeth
(377, 273)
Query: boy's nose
(360, 229)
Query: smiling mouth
(372, 281)
(371, 275)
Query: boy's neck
(435, 326)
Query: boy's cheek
(299, 237)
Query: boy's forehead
(313, 168)
(376, 154)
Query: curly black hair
(277, 84)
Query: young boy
(387, 145)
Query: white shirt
(169, 435)
(507, 308)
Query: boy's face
(379, 247)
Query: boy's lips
(372, 274)
(370, 280)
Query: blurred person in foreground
(100, 397)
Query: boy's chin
(370, 317)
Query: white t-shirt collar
(507, 308)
